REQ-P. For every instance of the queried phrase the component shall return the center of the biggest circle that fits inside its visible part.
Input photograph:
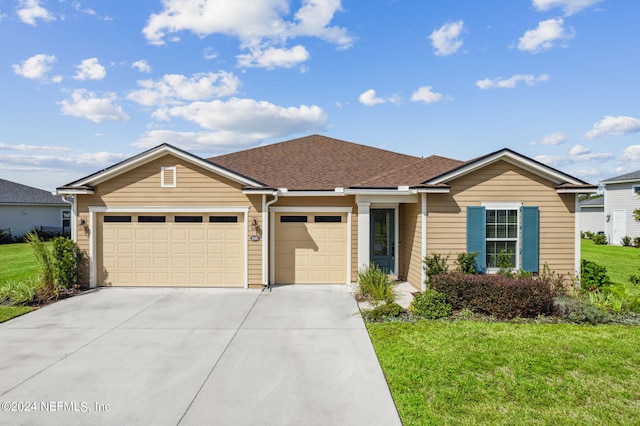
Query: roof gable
(90, 181)
(560, 179)
(628, 177)
(15, 193)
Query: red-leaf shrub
(497, 295)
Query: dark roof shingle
(15, 193)
(629, 176)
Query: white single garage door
(185, 250)
(310, 248)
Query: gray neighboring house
(592, 215)
(621, 198)
(23, 208)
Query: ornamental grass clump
(374, 286)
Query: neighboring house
(316, 210)
(622, 197)
(23, 208)
(592, 215)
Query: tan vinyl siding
(327, 201)
(196, 187)
(410, 262)
(503, 182)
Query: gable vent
(168, 177)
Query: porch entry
(383, 239)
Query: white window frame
(505, 206)
(635, 189)
(175, 177)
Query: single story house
(316, 210)
(592, 215)
(621, 198)
(23, 208)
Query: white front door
(619, 226)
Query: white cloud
(23, 147)
(273, 57)
(35, 67)
(90, 69)
(552, 139)
(579, 150)
(577, 154)
(544, 36)
(510, 83)
(258, 24)
(142, 66)
(30, 10)
(446, 39)
(209, 53)
(631, 153)
(569, 7)
(85, 104)
(198, 141)
(369, 98)
(427, 95)
(247, 116)
(610, 125)
(75, 160)
(173, 89)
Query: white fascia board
(349, 191)
(73, 191)
(294, 209)
(610, 182)
(154, 154)
(259, 192)
(576, 191)
(511, 158)
(171, 209)
(433, 190)
(329, 193)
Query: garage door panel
(310, 253)
(171, 254)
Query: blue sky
(85, 84)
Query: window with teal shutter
(530, 238)
(476, 235)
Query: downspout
(73, 219)
(265, 240)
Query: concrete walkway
(299, 355)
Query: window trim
(635, 189)
(490, 205)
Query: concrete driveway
(298, 355)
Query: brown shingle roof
(320, 163)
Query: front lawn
(474, 373)
(8, 312)
(17, 262)
(621, 262)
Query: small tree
(434, 265)
(66, 255)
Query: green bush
(593, 276)
(430, 304)
(626, 241)
(434, 265)
(47, 289)
(18, 292)
(497, 295)
(383, 312)
(374, 285)
(636, 242)
(580, 310)
(467, 263)
(66, 255)
(599, 239)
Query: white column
(423, 246)
(364, 227)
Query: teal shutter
(477, 235)
(530, 238)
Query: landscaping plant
(374, 285)
(466, 263)
(434, 265)
(66, 255)
(430, 304)
(593, 276)
(47, 289)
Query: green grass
(8, 312)
(17, 262)
(621, 262)
(479, 373)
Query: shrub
(504, 262)
(375, 286)
(66, 255)
(599, 239)
(593, 276)
(5, 236)
(586, 235)
(18, 292)
(467, 263)
(636, 242)
(497, 295)
(47, 289)
(383, 312)
(626, 241)
(435, 265)
(430, 304)
(580, 310)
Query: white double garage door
(209, 250)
